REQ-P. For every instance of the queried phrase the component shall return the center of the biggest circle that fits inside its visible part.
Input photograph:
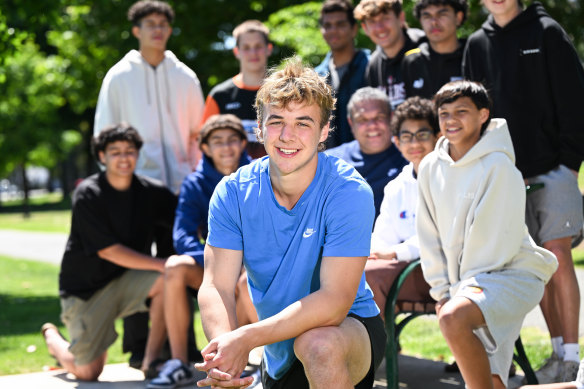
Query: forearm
(319, 309)
(217, 311)
(131, 259)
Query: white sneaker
(174, 373)
(569, 371)
(550, 371)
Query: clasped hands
(224, 359)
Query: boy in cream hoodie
(485, 271)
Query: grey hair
(367, 94)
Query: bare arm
(126, 257)
(328, 306)
(217, 292)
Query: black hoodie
(536, 82)
(425, 71)
(385, 73)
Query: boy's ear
(101, 156)
(205, 149)
(459, 17)
(484, 115)
(236, 52)
(136, 32)
(402, 19)
(395, 141)
(269, 49)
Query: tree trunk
(25, 188)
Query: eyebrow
(304, 118)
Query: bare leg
(157, 335)
(181, 271)
(563, 292)
(335, 357)
(457, 318)
(246, 313)
(59, 347)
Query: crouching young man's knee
(319, 346)
(459, 316)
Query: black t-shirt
(103, 216)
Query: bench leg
(521, 358)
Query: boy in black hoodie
(436, 62)
(384, 23)
(527, 61)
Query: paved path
(48, 247)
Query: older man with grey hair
(372, 152)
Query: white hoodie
(165, 104)
(471, 214)
(395, 228)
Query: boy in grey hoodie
(484, 270)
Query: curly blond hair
(369, 8)
(294, 83)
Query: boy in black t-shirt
(107, 269)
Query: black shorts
(295, 378)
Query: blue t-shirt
(282, 249)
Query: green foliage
(295, 30)
(59, 51)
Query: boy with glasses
(394, 241)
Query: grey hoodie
(471, 214)
(164, 104)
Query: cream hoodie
(471, 214)
(165, 104)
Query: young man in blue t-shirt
(300, 222)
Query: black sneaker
(174, 373)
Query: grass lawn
(28, 298)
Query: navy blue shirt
(377, 169)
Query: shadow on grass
(26, 314)
(64, 204)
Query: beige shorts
(504, 298)
(91, 322)
(555, 210)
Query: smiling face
(386, 31)
(119, 159)
(337, 30)
(369, 122)
(224, 146)
(503, 11)
(416, 139)
(460, 122)
(252, 52)
(153, 32)
(291, 136)
(439, 23)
